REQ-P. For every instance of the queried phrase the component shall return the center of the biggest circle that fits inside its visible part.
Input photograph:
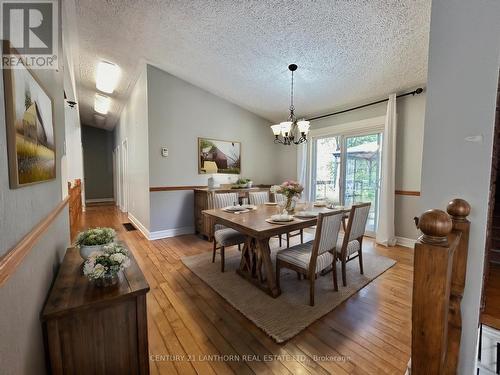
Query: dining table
(255, 264)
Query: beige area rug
(285, 316)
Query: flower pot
(107, 280)
(85, 251)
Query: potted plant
(103, 266)
(93, 239)
(290, 189)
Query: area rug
(283, 317)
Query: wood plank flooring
(192, 330)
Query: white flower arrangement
(95, 236)
(112, 259)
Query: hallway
(193, 330)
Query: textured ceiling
(348, 52)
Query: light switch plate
(164, 152)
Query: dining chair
(280, 198)
(261, 197)
(224, 236)
(258, 197)
(350, 244)
(310, 258)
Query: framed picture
(31, 143)
(218, 156)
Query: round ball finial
(458, 209)
(435, 226)
(292, 67)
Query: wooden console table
(204, 224)
(91, 330)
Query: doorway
(346, 169)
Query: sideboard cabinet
(92, 330)
(203, 201)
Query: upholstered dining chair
(280, 198)
(223, 236)
(258, 197)
(350, 244)
(261, 197)
(310, 258)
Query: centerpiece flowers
(103, 266)
(94, 239)
(290, 189)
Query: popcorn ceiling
(348, 52)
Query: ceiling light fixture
(292, 131)
(107, 76)
(102, 103)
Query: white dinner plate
(234, 208)
(270, 203)
(306, 214)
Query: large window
(346, 169)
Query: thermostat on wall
(164, 152)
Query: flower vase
(107, 280)
(85, 251)
(290, 205)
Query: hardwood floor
(192, 330)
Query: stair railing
(440, 262)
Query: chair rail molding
(14, 257)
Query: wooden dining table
(255, 264)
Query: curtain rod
(416, 91)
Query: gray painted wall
(22, 297)
(97, 162)
(179, 113)
(464, 55)
(410, 129)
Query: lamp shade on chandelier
(292, 131)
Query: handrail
(440, 262)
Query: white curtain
(302, 169)
(385, 230)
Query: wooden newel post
(458, 209)
(433, 262)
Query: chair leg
(214, 251)
(280, 239)
(288, 240)
(344, 277)
(360, 261)
(299, 276)
(334, 274)
(312, 278)
(222, 258)
(239, 247)
(302, 236)
(278, 270)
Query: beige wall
(133, 127)
(410, 112)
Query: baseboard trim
(139, 225)
(406, 242)
(170, 233)
(99, 200)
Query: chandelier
(292, 131)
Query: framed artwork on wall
(29, 119)
(218, 156)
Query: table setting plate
(270, 203)
(234, 209)
(306, 214)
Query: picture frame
(217, 156)
(30, 130)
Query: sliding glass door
(346, 170)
